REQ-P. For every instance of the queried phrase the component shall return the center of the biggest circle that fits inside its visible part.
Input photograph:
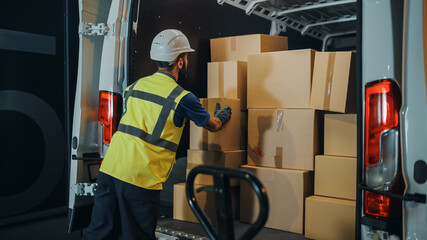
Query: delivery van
(392, 107)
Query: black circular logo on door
(32, 156)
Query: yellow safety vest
(143, 150)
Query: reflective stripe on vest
(168, 104)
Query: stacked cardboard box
(227, 73)
(227, 85)
(329, 218)
(287, 94)
(282, 136)
(221, 148)
(205, 200)
(238, 48)
(280, 96)
(286, 190)
(334, 82)
(330, 214)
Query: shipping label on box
(283, 138)
(205, 200)
(226, 139)
(340, 135)
(329, 218)
(335, 177)
(286, 190)
(280, 79)
(228, 80)
(228, 159)
(333, 88)
(238, 48)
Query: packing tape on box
(331, 63)
(233, 41)
(279, 118)
(221, 79)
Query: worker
(143, 150)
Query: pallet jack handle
(221, 188)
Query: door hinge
(90, 29)
(85, 189)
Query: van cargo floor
(180, 229)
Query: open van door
(414, 118)
(107, 34)
(394, 126)
(382, 27)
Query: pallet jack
(221, 189)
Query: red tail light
(382, 105)
(107, 114)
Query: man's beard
(183, 73)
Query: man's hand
(222, 114)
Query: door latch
(90, 29)
(85, 189)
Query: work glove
(223, 114)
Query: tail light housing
(382, 169)
(108, 114)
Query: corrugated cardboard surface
(238, 48)
(333, 87)
(322, 79)
(280, 79)
(228, 159)
(228, 80)
(226, 139)
(286, 191)
(329, 218)
(283, 138)
(340, 135)
(181, 209)
(205, 200)
(343, 97)
(335, 176)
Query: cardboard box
(333, 87)
(283, 138)
(280, 79)
(206, 201)
(335, 176)
(329, 218)
(226, 139)
(228, 80)
(286, 191)
(228, 159)
(238, 48)
(340, 135)
(322, 79)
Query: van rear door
(414, 118)
(381, 97)
(107, 33)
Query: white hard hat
(168, 44)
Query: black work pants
(122, 208)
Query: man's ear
(180, 63)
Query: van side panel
(414, 118)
